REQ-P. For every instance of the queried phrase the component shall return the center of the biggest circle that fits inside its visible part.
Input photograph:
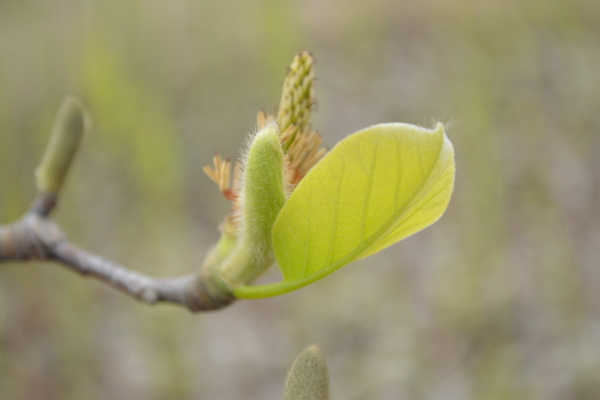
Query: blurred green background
(498, 300)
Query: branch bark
(36, 237)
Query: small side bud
(262, 196)
(69, 127)
(308, 378)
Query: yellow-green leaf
(375, 188)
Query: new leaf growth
(375, 188)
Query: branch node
(43, 204)
(47, 233)
(149, 296)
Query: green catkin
(297, 97)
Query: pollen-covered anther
(221, 175)
(303, 153)
(288, 136)
(261, 119)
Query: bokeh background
(498, 300)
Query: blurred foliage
(505, 302)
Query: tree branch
(36, 237)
